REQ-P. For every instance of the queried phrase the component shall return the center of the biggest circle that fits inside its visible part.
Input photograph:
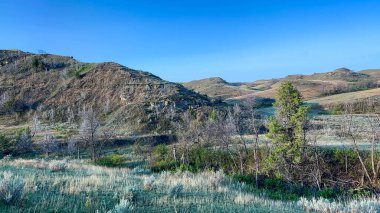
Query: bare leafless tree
(315, 167)
(89, 131)
(92, 133)
(187, 132)
(36, 125)
(219, 132)
(70, 116)
(254, 124)
(24, 141)
(354, 131)
(49, 144)
(73, 147)
(106, 107)
(374, 137)
(4, 98)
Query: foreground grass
(81, 187)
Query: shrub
(131, 193)
(160, 152)
(6, 145)
(124, 206)
(6, 158)
(11, 188)
(148, 183)
(176, 190)
(57, 166)
(35, 62)
(114, 160)
(273, 183)
(24, 141)
(326, 193)
(164, 165)
(140, 171)
(80, 72)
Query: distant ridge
(341, 80)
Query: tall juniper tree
(287, 130)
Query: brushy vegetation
(83, 187)
(202, 159)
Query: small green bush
(114, 160)
(244, 178)
(326, 193)
(7, 145)
(80, 72)
(10, 104)
(35, 62)
(164, 165)
(273, 183)
(160, 152)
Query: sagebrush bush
(148, 183)
(140, 171)
(11, 188)
(114, 160)
(176, 190)
(131, 193)
(324, 205)
(57, 166)
(6, 158)
(124, 206)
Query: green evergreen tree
(287, 131)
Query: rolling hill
(217, 88)
(311, 87)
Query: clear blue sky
(185, 40)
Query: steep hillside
(59, 87)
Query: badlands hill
(58, 88)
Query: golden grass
(348, 97)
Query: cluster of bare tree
(220, 131)
(361, 131)
(91, 135)
(355, 162)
